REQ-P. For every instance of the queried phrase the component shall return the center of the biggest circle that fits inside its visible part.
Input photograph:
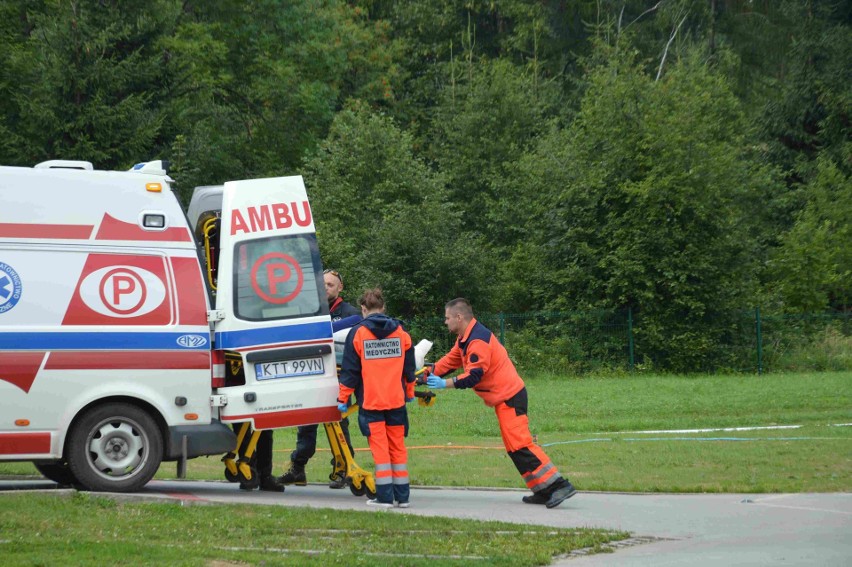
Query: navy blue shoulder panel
(479, 332)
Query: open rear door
(271, 308)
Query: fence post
(759, 341)
(502, 328)
(630, 336)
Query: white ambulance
(113, 346)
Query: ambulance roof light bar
(156, 167)
(64, 164)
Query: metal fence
(615, 341)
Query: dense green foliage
(684, 158)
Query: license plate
(289, 368)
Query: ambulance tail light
(218, 369)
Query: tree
(256, 85)
(481, 128)
(641, 204)
(86, 79)
(813, 266)
(383, 219)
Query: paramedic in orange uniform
(378, 367)
(487, 369)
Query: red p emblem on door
(277, 278)
(123, 291)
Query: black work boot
(271, 484)
(296, 475)
(565, 491)
(536, 498)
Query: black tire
(115, 447)
(249, 483)
(231, 477)
(357, 491)
(60, 473)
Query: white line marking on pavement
(706, 430)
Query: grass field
(83, 529)
(604, 433)
(590, 428)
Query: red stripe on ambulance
(276, 216)
(288, 418)
(24, 443)
(46, 231)
(124, 360)
(20, 368)
(192, 309)
(113, 229)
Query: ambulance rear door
(271, 308)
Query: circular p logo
(277, 278)
(122, 291)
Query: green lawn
(83, 529)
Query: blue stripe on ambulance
(104, 341)
(272, 335)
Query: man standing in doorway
(487, 369)
(343, 315)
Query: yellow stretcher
(238, 466)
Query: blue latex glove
(343, 407)
(409, 400)
(436, 382)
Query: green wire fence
(581, 342)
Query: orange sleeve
(449, 362)
(343, 393)
(479, 360)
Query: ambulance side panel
(95, 307)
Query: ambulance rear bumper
(215, 438)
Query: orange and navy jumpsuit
(378, 367)
(489, 371)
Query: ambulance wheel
(231, 477)
(357, 490)
(250, 483)
(57, 472)
(115, 447)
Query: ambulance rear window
(278, 278)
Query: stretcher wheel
(231, 477)
(357, 490)
(251, 484)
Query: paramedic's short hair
(462, 306)
(334, 273)
(372, 299)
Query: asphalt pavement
(666, 529)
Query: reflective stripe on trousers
(538, 472)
